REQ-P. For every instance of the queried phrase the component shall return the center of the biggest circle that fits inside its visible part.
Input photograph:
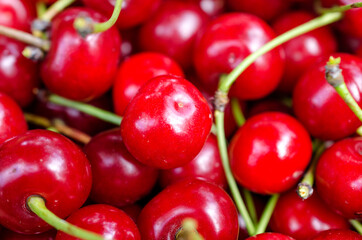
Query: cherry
(337, 234)
(207, 204)
(45, 164)
(133, 211)
(226, 42)
(301, 52)
(136, 71)
(80, 68)
(269, 153)
(318, 106)
(113, 167)
(173, 29)
(270, 236)
(17, 14)
(167, 122)
(9, 235)
(303, 219)
(108, 221)
(12, 121)
(268, 105)
(212, 8)
(337, 173)
(206, 166)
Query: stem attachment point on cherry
(188, 231)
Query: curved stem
(250, 205)
(321, 10)
(40, 9)
(86, 108)
(101, 27)
(55, 8)
(357, 225)
(237, 112)
(37, 205)
(25, 37)
(268, 211)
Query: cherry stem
(188, 230)
(359, 131)
(305, 187)
(37, 205)
(268, 211)
(40, 9)
(357, 225)
(86, 108)
(237, 112)
(54, 9)
(25, 37)
(321, 10)
(250, 205)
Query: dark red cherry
(173, 29)
(9, 235)
(12, 121)
(303, 219)
(270, 236)
(204, 202)
(44, 163)
(301, 52)
(337, 234)
(118, 178)
(206, 166)
(229, 39)
(268, 105)
(212, 8)
(167, 122)
(80, 68)
(133, 211)
(317, 104)
(338, 176)
(108, 221)
(134, 12)
(17, 14)
(136, 71)
(270, 152)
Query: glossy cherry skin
(337, 234)
(136, 71)
(108, 221)
(173, 29)
(12, 121)
(118, 178)
(301, 52)
(206, 203)
(9, 235)
(134, 12)
(80, 68)
(303, 219)
(270, 236)
(225, 43)
(167, 122)
(212, 8)
(338, 174)
(206, 166)
(269, 153)
(17, 14)
(44, 163)
(317, 104)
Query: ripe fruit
(337, 234)
(270, 236)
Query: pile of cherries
(164, 172)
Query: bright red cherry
(337, 234)
(338, 177)
(301, 52)
(80, 68)
(108, 221)
(136, 71)
(12, 121)
(17, 14)
(303, 219)
(173, 29)
(9, 235)
(43, 163)
(270, 236)
(317, 104)
(206, 166)
(204, 202)
(229, 39)
(118, 178)
(167, 122)
(270, 152)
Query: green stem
(342, 90)
(37, 205)
(101, 27)
(55, 8)
(219, 118)
(237, 112)
(86, 108)
(268, 211)
(319, 9)
(40, 9)
(295, 32)
(359, 131)
(357, 225)
(250, 205)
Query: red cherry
(17, 14)
(80, 68)
(226, 42)
(113, 167)
(270, 236)
(133, 211)
(270, 152)
(337, 234)
(206, 203)
(301, 52)
(136, 71)
(317, 104)
(108, 221)
(172, 30)
(338, 174)
(303, 219)
(206, 166)
(268, 105)
(43, 163)
(210, 7)
(12, 121)
(9, 235)
(167, 122)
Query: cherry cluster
(180, 119)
